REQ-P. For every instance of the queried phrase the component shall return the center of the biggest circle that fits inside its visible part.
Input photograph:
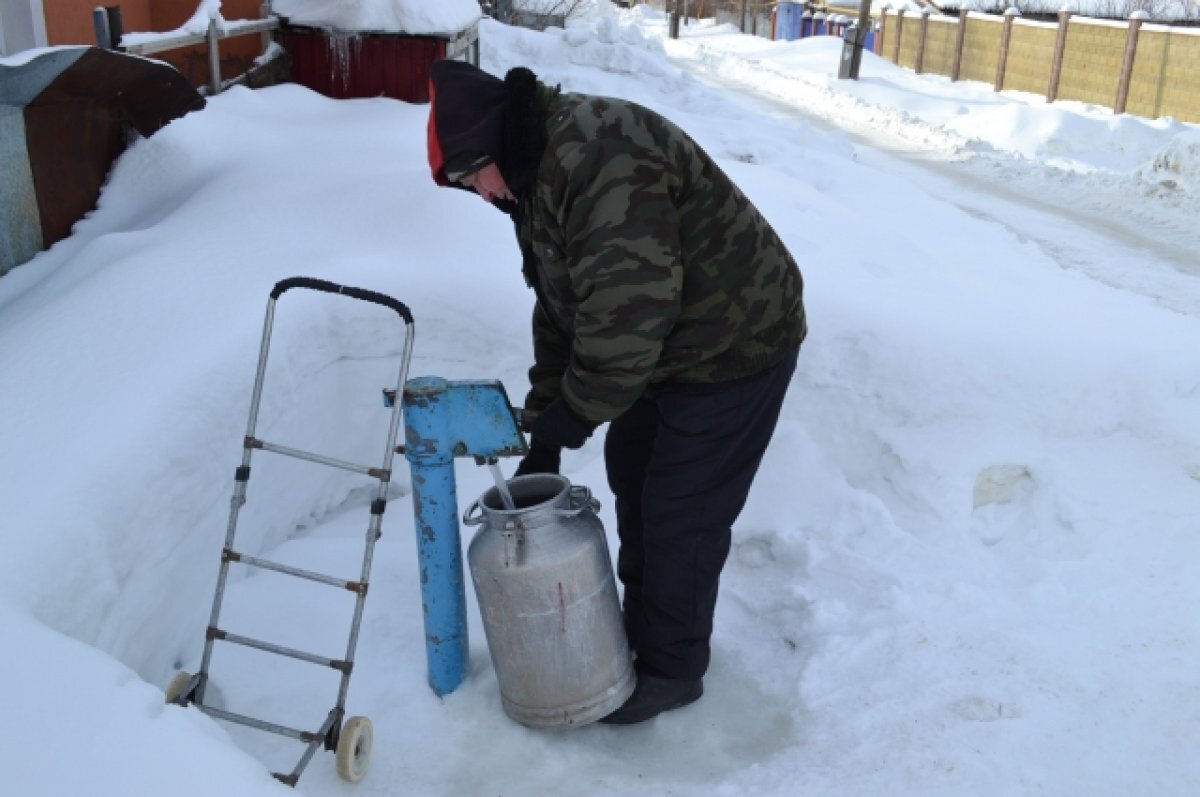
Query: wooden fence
(1132, 66)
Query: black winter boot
(654, 695)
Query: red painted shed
(343, 65)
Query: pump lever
(525, 419)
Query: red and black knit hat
(476, 119)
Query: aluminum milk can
(545, 585)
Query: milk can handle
(580, 497)
(473, 521)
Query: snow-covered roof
(382, 16)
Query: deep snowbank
(965, 568)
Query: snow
(968, 565)
(1097, 9)
(374, 16)
(542, 6)
(383, 16)
(207, 12)
(25, 56)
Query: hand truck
(351, 741)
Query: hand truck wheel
(176, 686)
(354, 749)
(174, 691)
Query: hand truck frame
(352, 740)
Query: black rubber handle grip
(344, 290)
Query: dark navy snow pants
(680, 463)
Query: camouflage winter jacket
(650, 265)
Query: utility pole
(854, 40)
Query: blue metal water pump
(444, 420)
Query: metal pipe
(373, 534)
(260, 373)
(214, 59)
(280, 650)
(321, 735)
(397, 412)
(374, 527)
(241, 477)
(251, 722)
(116, 25)
(318, 458)
(266, 564)
(439, 550)
(103, 34)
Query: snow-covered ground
(971, 563)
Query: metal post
(439, 551)
(863, 25)
(103, 34)
(264, 12)
(214, 60)
(116, 26)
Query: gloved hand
(540, 459)
(558, 425)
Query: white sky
(968, 565)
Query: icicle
(340, 43)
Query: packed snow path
(1137, 234)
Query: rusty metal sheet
(77, 126)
